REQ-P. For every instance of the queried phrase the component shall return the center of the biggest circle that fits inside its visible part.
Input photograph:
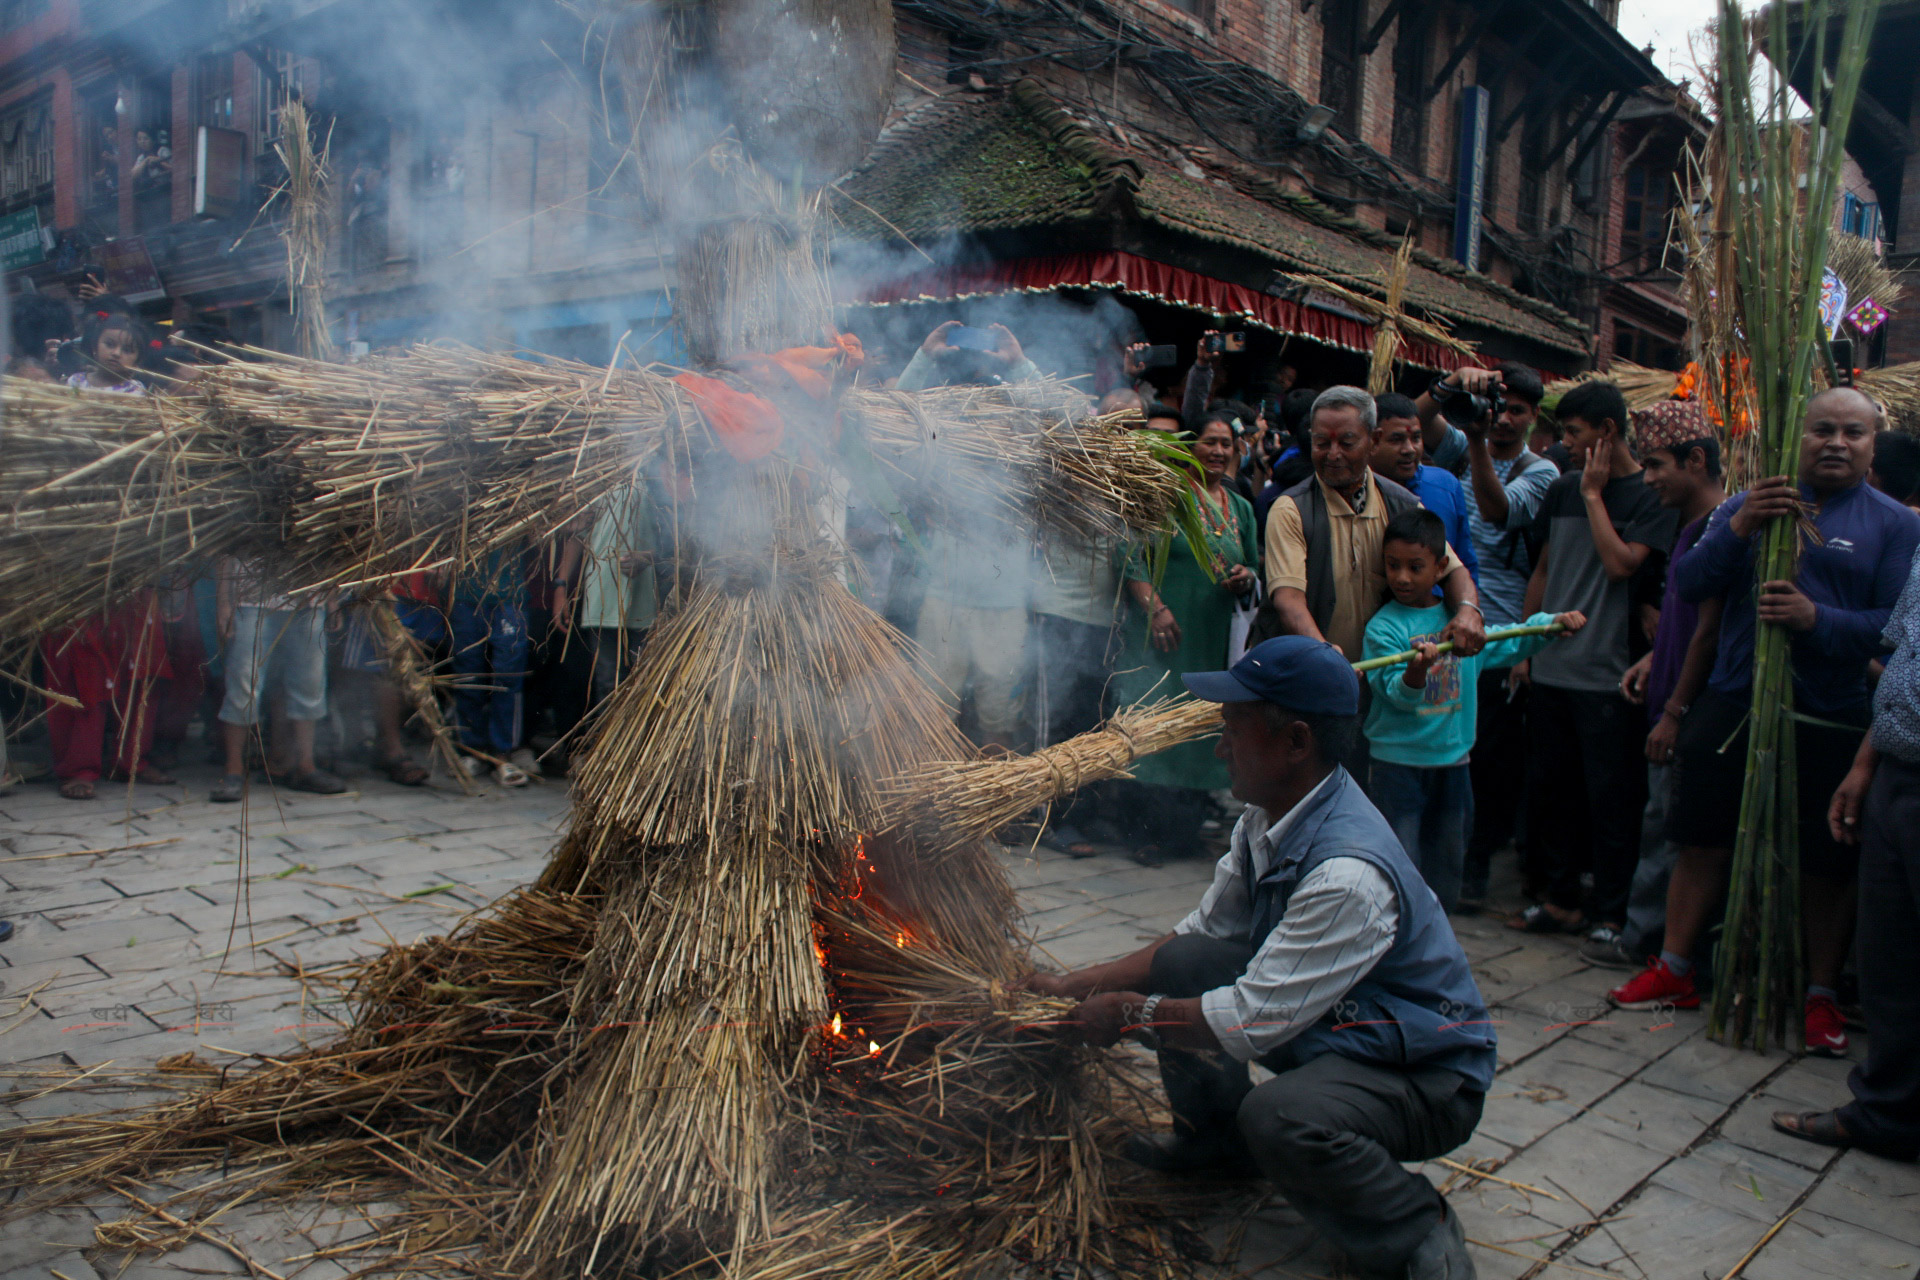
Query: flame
(835, 1025)
(873, 1048)
(901, 938)
(820, 954)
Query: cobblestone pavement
(1612, 1144)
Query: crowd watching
(1594, 765)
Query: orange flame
(835, 1026)
(873, 1048)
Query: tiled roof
(969, 162)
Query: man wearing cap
(1320, 953)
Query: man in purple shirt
(1680, 457)
(1835, 610)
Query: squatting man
(1320, 953)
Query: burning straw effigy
(760, 1015)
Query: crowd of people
(1605, 746)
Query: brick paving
(148, 924)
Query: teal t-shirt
(1431, 727)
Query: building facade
(1187, 158)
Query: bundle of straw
(306, 231)
(1639, 385)
(1778, 182)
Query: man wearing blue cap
(1320, 953)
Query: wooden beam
(1372, 41)
(1883, 124)
(1573, 130)
(1620, 97)
(1467, 42)
(1549, 81)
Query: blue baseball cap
(1294, 672)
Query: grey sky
(1668, 25)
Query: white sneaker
(511, 775)
(473, 766)
(527, 762)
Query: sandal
(1067, 839)
(228, 790)
(403, 772)
(77, 789)
(1150, 855)
(1824, 1128)
(319, 782)
(1537, 919)
(149, 776)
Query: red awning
(1142, 277)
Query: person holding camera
(1488, 416)
(955, 354)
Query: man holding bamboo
(1850, 574)
(1319, 952)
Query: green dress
(1204, 610)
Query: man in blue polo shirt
(1320, 953)
(1850, 575)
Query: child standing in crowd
(267, 632)
(111, 343)
(489, 622)
(1421, 723)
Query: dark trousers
(1586, 794)
(1885, 1112)
(1499, 772)
(1071, 667)
(1147, 813)
(1430, 811)
(1330, 1132)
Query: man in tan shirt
(1324, 537)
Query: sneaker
(1655, 986)
(511, 775)
(1604, 948)
(473, 766)
(527, 762)
(1825, 1029)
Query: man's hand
(223, 622)
(1165, 630)
(1008, 347)
(1467, 630)
(1204, 356)
(1595, 471)
(1058, 985)
(1239, 580)
(1660, 742)
(1425, 654)
(1633, 685)
(1767, 500)
(1782, 603)
(1479, 382)
(1519, 676)
(1104, 1019)
(1843, 815)
(635, 565)
(936, 342)
(562, 614)
(1133, 361)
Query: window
(281, 80)
(1646, 219)
(1648, 349)
(1859, 217)
(26, 151)
(213, 91)
(1532, 192)
(1340, 64)
(1410, 90)
(100, 152)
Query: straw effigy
(743, 1023)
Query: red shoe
(1654, 987)
(1826, 1030)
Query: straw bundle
(1640, 385)
(306, 231)
(1897, 388)
(949, 804)
(1386, 334)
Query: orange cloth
(748, 425)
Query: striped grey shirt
(1339, 922)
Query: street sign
(22, 243)
(1470, 180)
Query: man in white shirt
(1319, 952)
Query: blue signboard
(1470, 183)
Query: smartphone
(1229, 343)
(1164, 356)
(968, 338)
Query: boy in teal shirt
(1420, 727)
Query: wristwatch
(1146, 1034)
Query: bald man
(1835, 610)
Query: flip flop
(1150, 855)
(1066, 838)
(403, 772)
(77, 789)
(1824, 1128)
(1537, 919)
(318, 782)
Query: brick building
(1181, 156)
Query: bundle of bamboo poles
(1785, 178)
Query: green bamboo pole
(1777, 191)
(1499, 633)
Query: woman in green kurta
(1183, 627)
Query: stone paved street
(147, 925)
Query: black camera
(1463, 408)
